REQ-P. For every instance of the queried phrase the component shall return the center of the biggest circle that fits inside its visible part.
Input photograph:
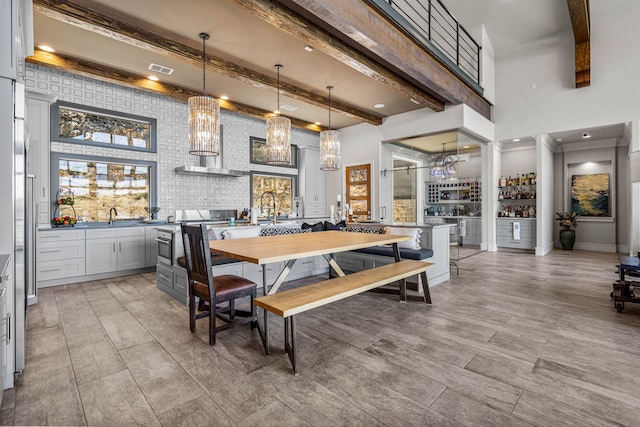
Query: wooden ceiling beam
(113, 28)
(354, 33)
(312, 34)
(105, 72)
(581, 24)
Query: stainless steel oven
(165, 241)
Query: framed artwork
(590, 194)
(258, 152)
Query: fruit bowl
(64, 221)
(152, 211)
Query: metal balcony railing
(430, 24)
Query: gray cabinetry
(110, 250)
(507, 237)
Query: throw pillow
(318, 226)
(331, 226)
(402, 231)
(240, 233)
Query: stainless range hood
(210, 165)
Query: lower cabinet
(507, 238)
(151, 233)
(253, 272)
(59, 254)
(110, 250)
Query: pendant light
(329, 145)
(278, 135)
(204, 117)
(444, 166)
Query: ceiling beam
(581, 23)
(311, 33)
(113, 28)
(353, 33)
(105, 72)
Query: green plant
(568, 221)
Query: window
(258, 153)
(282, 187)
(79, 124)
(100, 183)
(359, 190)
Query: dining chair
(213, 290)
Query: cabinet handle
(50, 270)
(5, 278)
(114, 247)
(3, 292)
(308, 262)
(50, 236)
(163, 276)
(120, 247)
(43, 192)
(51, 252)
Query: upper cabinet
(313, 184)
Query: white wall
(555, 104)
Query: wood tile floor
(513, 340)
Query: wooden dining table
(292, 247)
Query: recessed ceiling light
(154, 78)
(516, 139)
(308, 48)
(317, 123)
(414, 101)
(46, 48)
(379, 106)
(465, 146)
(558, 139)
(224, 97)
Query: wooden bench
(287, 304)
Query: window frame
(256, 140)
(55, 173)
(55, 126)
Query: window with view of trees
(99, 184)
(95, 126)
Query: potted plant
(568, 226)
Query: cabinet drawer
(49, 251)
(109, 233)
(164, 275)
(517, 244)
(50, 270)
(352, 263)
(180, 281)
(60, 235)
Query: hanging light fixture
(204, 118)
(444, 167)
(278, 135)
(329, 145)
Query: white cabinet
(37, 121)
(116, 249)
(253, 272)
(60, 254)
(313, 184)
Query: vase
(567, 239)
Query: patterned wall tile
(174, 191)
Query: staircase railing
(430, 24)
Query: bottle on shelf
(502, 182)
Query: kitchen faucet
(111, 218)
(273, 197)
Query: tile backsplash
(174, 191)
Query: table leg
(265, 339)
(283, 274)
(333, 264)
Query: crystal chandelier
(278, 135)
(444, 167)
(204, 118)
(329, 145)
(115, 172)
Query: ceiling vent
(160, 69)
(288, 107)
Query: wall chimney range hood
(210, 165)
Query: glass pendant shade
(204, 126)
(204, 117)
(278, 140)
(278, 135)
(330, 150)
(330, 145)
(444, 167)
